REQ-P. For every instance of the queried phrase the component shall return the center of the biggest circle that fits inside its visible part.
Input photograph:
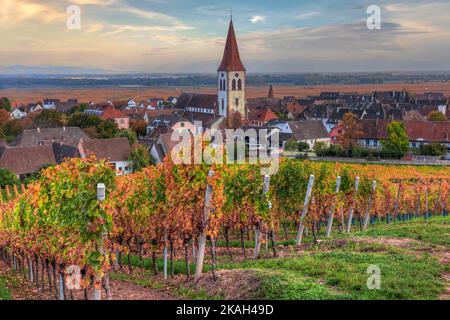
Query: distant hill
(21, 70)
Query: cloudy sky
(188, 35)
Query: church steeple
(231, 59)
(232, 78)
(271, 95)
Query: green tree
(140, 127)
(303, 146)
(436, 116)
(291, 145)
(7, 178)
(5, 104)
(4, 117)
(83, 120)
(320, 146)
(49, 119)
(397, 143)
(95, 127)
(140, 156)
(12, 129)
(433, 149)
(129, 134)
(107, 129)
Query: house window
(237, 102)
(182, 125)
(367, 142)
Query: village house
(131, 104)
(419, 133)
(310, 131)
(47, 136)
(259, 117)
(121, 119)
(18, 113)
(26, 159)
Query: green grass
(335, 271)
(435, 231)
(4, 292)
(146, 279)
(403, 276)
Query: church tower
(231, 78)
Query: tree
(49, 119)
(5, 104)
(129, 134)
(94, 126)
(4, 117)
(303, 146)
(7, 178)
(234, 120)
(12, 129)
(140, 127)
(433, 149)
(320, 146)
(397, 143)
(107, 129)
(436, 116)
(291, 145)
(351, 131)
(83, 120)
(140, 156)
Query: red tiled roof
(111, 113)
(263, 115)
(231, 60)
(417, 130)
(428, 131)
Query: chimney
(39, 130)
(64, 128)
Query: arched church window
(239, 84)
(233, 84)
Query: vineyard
(80, 214)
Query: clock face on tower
(236, 75)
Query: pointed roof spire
(271, 95)
(231, 59)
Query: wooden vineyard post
(258, 225)
(301, 227)
(165, 253)
(8, 193)
(331, 216)
(397, 201)
(101, 195)
(16, 191)
(350, 213)
(426, 203)
(202, 237)
(369, 206)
